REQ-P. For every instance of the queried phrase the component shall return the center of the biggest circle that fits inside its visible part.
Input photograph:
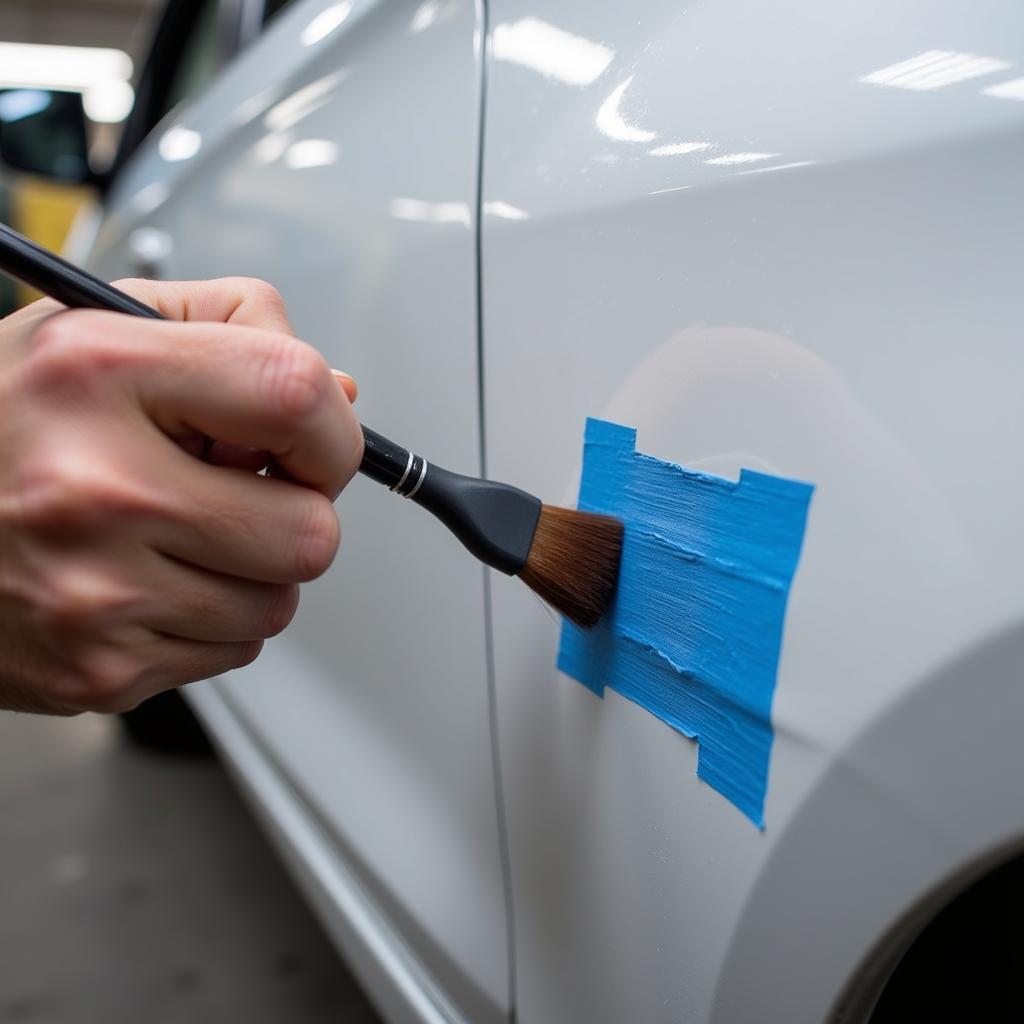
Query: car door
(777, 237)
(337, 158)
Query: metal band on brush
(412, 478)
(408, 466)
(423, 473)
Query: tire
(967, 963)
(165, 723)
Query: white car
(774, 237)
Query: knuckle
(261, 292)
(68, 352)
(73, 492)
(57, 357)
(56, 495)
(296, 378)
(280, 610)
(106, 680)
(55, 332)
(316, 540)
(78, 601)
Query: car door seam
(482, 44)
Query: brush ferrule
(494, 521)
(412, 478)
(401, 480)
(419, 479)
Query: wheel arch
(919, 805)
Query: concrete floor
(135, 887)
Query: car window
(192, 42)
(271, 7)
(201, 58)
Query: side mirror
(42, 131)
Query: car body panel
(315, 164)
(760, 236)
(389, 968)
(729, 226)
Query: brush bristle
(574, 562)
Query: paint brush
(569, 558)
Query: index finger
(246, 301)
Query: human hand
(127, 564)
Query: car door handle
(149, 249)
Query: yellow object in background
(44, 211)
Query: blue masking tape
(696, 628)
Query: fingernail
(342, 377)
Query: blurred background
(134, 884)
(89, 47)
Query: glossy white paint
(772, 235)
(338, 159)
(753, 239)
(388, 967)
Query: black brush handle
(49, 273)
(391, 464)
(495, 521)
